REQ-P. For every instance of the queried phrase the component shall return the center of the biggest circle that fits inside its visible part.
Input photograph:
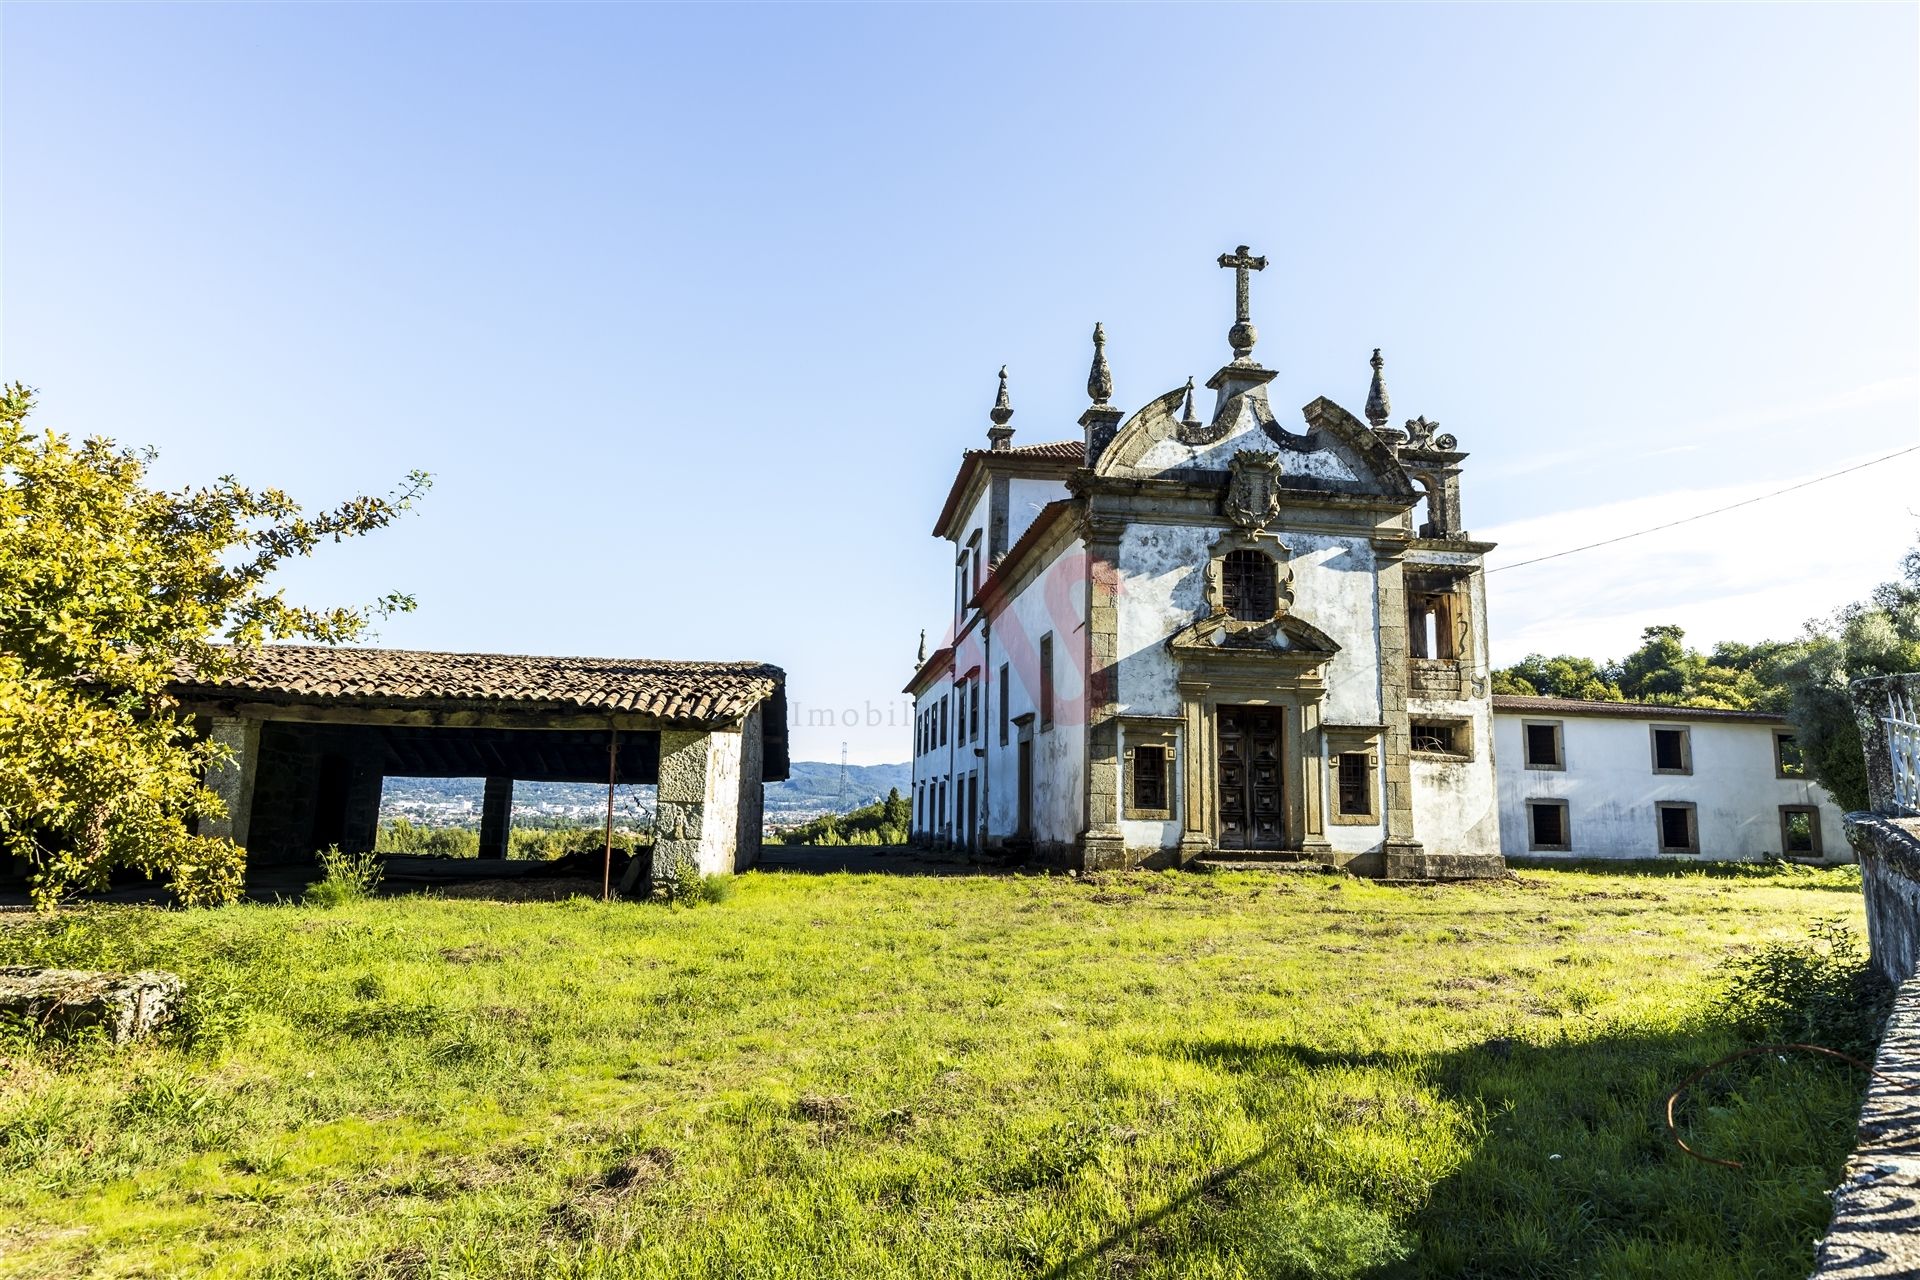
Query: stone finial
(922, 659)
(1379, 408)
(1188, 418)
(1100, 377)
(1000, 434)
(1243, 335)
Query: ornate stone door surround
(1290, 679)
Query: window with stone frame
(1005, 692)
(973, 711)
(1543, 744)
(1787, 760)
(1799, 831)
(1435, 614)
(1443, 737)
(1678, 827)
(1149, 761)
(1353, 754)
(1249, 587)
(1549, 826)
(1672, 749)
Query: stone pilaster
(1102, 845)
(496, 817)
(232, 780)
(1396, 740)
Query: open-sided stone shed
(314, 731)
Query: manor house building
(1198, 631)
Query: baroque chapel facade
(1202, 633)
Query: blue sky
(690, 310)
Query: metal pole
(613, 768)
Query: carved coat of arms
(1253, 492)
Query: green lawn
(1166, 1075)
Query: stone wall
(1872, 1233)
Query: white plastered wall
(1611, 789)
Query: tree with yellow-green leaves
(109, 589)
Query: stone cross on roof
(1243, 335)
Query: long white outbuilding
(1632, 780)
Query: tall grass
(1151, 1076)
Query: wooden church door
(1253, 810)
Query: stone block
(126, 1005)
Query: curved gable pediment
(1336, 451)
(1155, 421)
(1372, 457)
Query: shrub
(1818, 990)
(346, 878)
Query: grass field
(1155, 1075)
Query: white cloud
(1753, 574)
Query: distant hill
(814, 783)
(812, 788)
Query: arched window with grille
(1247, 585)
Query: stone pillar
(496, 817)
(232, 779)
(681, 803)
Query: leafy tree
(1877, 636)
(1662, 670)
(108, 589)
(1562, 677)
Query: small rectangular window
(1046, 681)
(1005, 690)
(1429, 736)
(1355, 779)
(1799, 831)
(1150, 778)
(1548, 827)
(1787, 760)
(1678, 831)
(1671, 751)
(1544, 743)
(973, 711)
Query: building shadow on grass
(887, 860)
(1568, 1170)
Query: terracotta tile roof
(1052, 458)
(936, 662)
(693, 693)
(1074, 451)
(1517, 704)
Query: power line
(1745, 502)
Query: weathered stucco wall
(1163, 572)
(1054, 602)
(1455, 804)
(1611, 789)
